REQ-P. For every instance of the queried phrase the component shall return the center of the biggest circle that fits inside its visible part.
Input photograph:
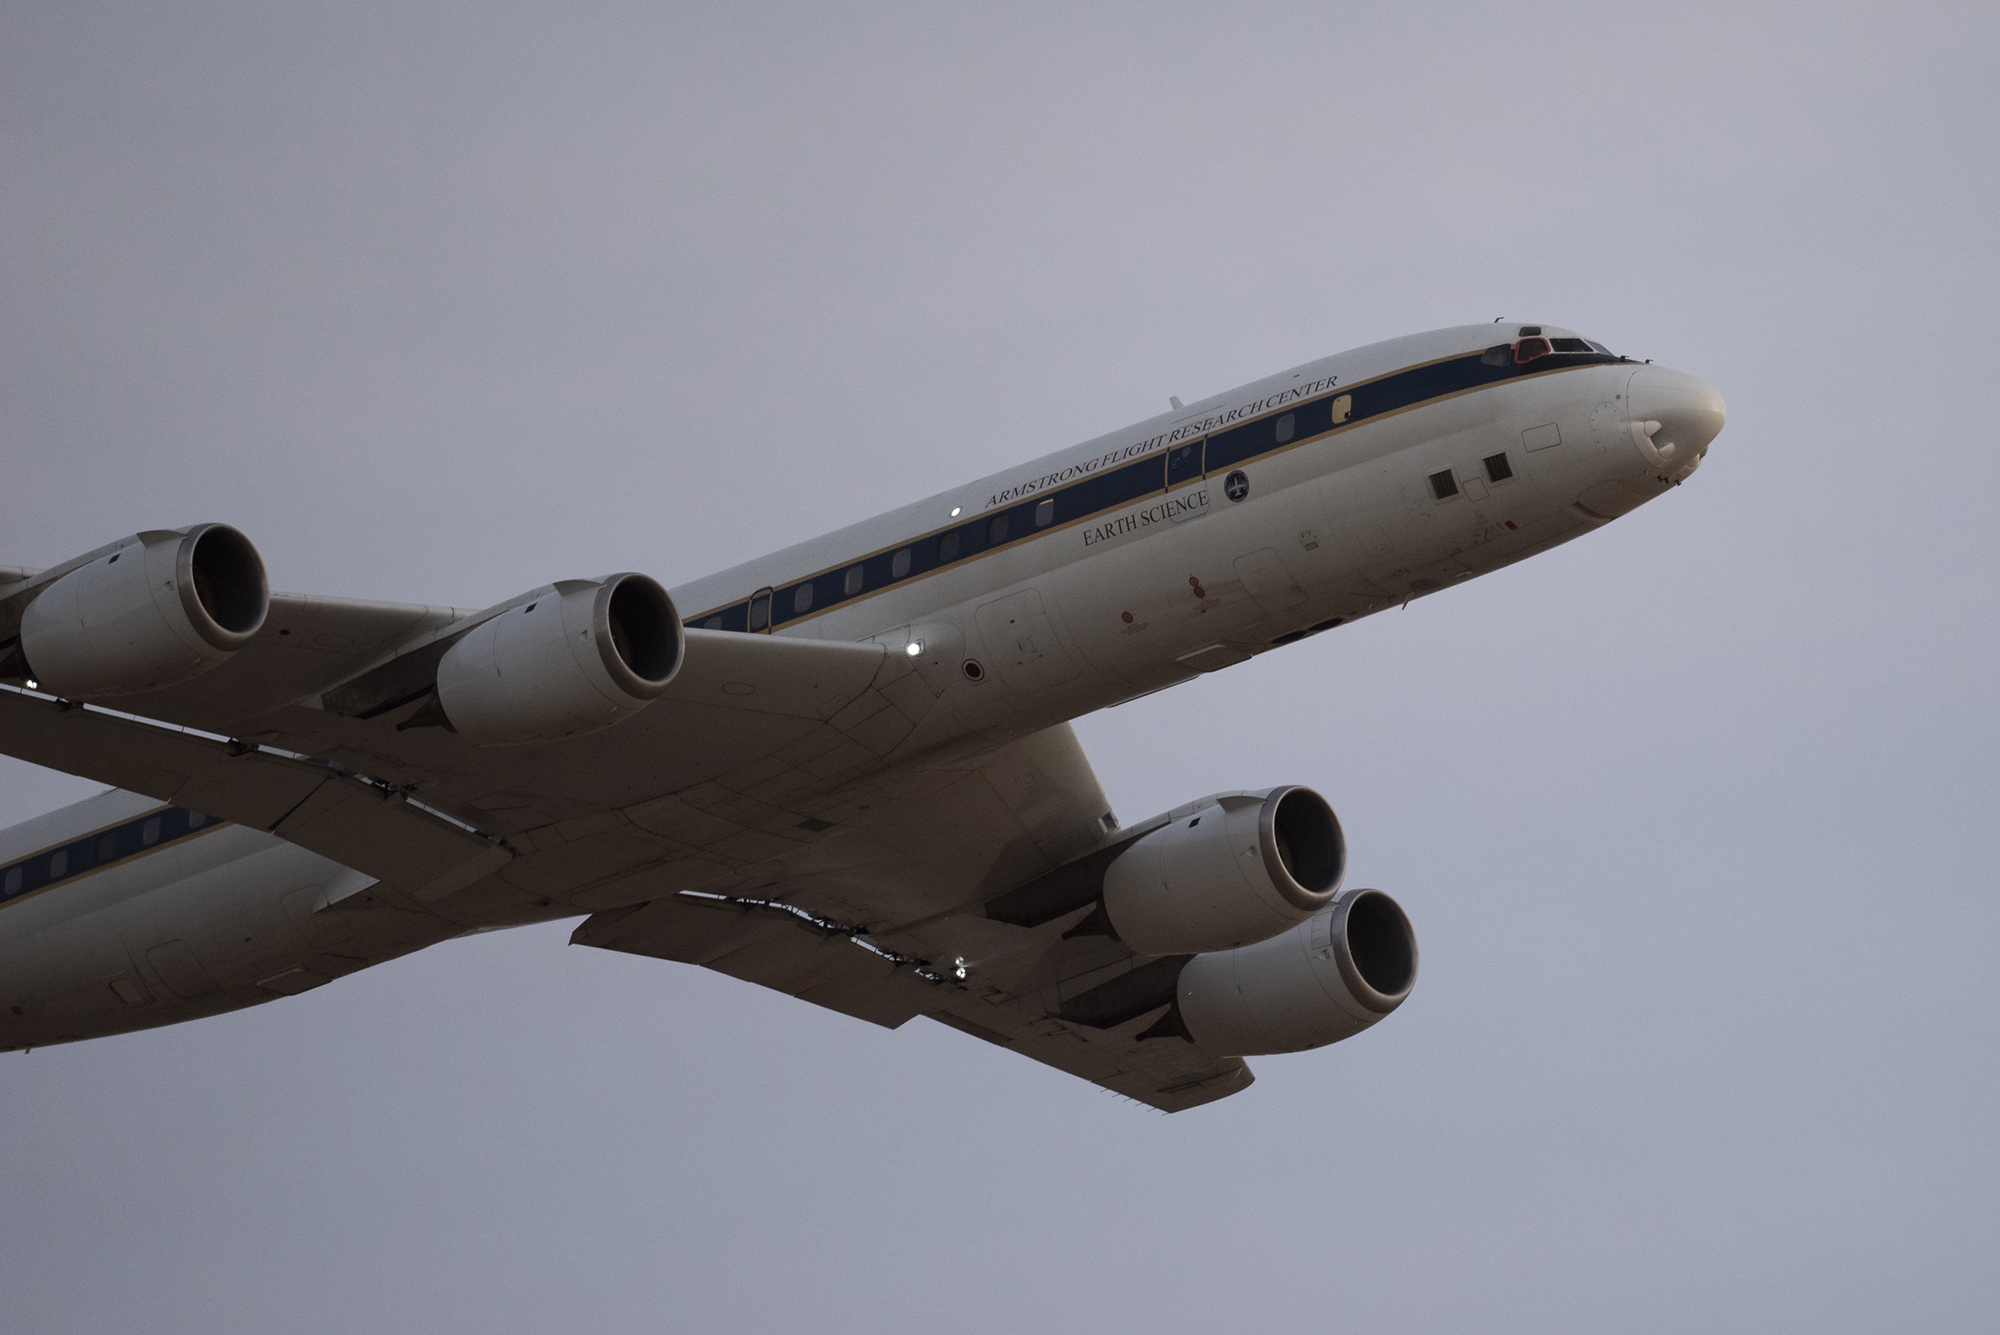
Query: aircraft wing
(781, 815)
(896, 920)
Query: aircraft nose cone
(1674, 417)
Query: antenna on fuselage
(1175, 399)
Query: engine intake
(575, 660)
(1326, 979)
(161, 608)
(1241, 870)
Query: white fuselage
(1403, 468)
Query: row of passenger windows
(1118, 487)
(1093, 496)
(1444, 486)
(99, 850)
(946, 548)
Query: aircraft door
(1187, 483)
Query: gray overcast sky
(1693, 816)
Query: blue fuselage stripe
(65, 862)
(1281, 429)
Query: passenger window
(760, 610)
(1183, 463)
(1045, 513)
(1442, 485)
(1497, 467)
(802, 599)
(852, 584)
(59, 864)
(948, 547)
(996, 530)
(13, 883)
(150, 833)
(899, 564)
(1286, 426)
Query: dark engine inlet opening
(642, 629)
(1309, 840)
(229, 579)
(1381, 942)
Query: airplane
(844, 771)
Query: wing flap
(333, 814)
(1170, 1074)
(768, 944)
(816, 960)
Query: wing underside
(803, 815)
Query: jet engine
(158, 610)
(1241, 870)
(1326, 979)
(579, 658)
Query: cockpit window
(1534, 345)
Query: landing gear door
(1187, 484)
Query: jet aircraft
(846, 770)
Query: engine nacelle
(1326, 979)
(162, 608)
(577, 659)
(1241, 870)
